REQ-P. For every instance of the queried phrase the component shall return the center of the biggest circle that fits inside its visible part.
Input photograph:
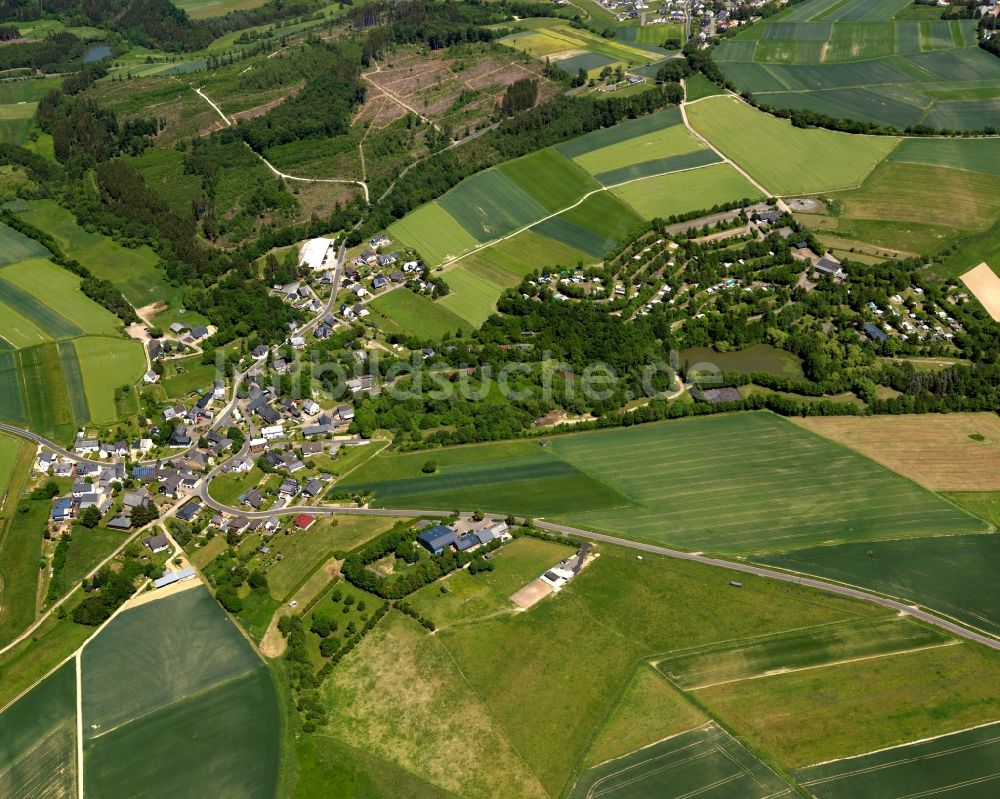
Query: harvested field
(936, 450)
(984, 283)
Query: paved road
(745, 568)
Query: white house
(314, 252)
(557, 577)
(273, 432)
(311, 407)
(150, 377)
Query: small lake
(96, 52)
(758, 358)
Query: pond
(96, 52)
(758, 358)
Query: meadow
(519, 673)
(864, 705)
(134, 271)
(917, 570)
(734, 661)
(950, 766)
(810, 160)
(689, 764)
(20, 539)
(38, 756)
(146, 677)
(15, 246)
(433, 233)
(416, 314)
(107, 364)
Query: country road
(736, 566)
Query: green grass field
(185, 375)
(953, 766)
(507, 261)
(903, 569)
(520, 562)
(47, 403)
(38, 754)
(127, 673)
(599, 224)
(659, 144)
(810, 160)
(702, 484)
(550, 178)
(133, 271)
(473, 297)
(619, 133)
(734, 661)
(15, 246)
(107, 364)
(807, 717)
(498, 477)
(490, 205)
(971, 155)
(704, 761)
(417, 314)
(659, 166)
(433, 233)
(176, 670)
(683, 192)
(203, 9)
(20, 539)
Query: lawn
(520, 562)
(108, 364)
(38, 756)
(15, 246)
(187, 375)
(418, 315)
(734, 661)
(703, 761)
(432, 232)
(924, 571)
(472, 297)
(683, 192)
(947, 767)
(811, 716)
(226, 488)
(784, 159)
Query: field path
(782, 206)
(272, 167)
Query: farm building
(174, 577)
(314, 253)
(437, 539)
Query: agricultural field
(15, 246)
(949, 452)
(921, 571)
(689, 764)
(869, 62)
(573, 49)
(20, 538)
(107, 364)
(811, 160)
(734, 661)
(134, 271)
(950, 766)
(203, 9)
(38, 756)
(515, 671)
(649, 483)
(865, 705)
(682, 192)
(147, 676)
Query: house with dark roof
(875, 333)
(199, 333)
(156, 543)
(179, 437)
(189, 511)
(313, 488)
(437, 539)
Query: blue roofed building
(144, 472)
(467, 542)
(62, 509)
(437, 539)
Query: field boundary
(908, 743)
